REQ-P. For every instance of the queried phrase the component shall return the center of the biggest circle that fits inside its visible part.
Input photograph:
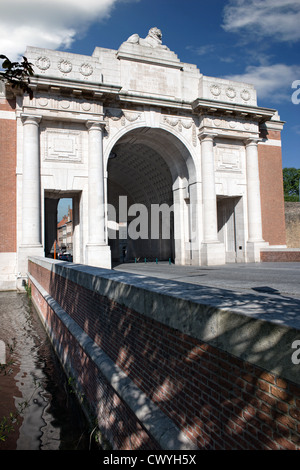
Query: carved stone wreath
(215, 90)
(230, 92)
(64, 66)
(245, 95)
(86, 70)
(43, 63)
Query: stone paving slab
(268, 278)
(269, 291)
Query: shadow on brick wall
(220, 399)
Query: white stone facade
(179, 137)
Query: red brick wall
(8, 143)
(287, 256)
(218, 400)
(7, 104)
(271, 188)
(118, 422)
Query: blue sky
(256, 41)
(208, 34)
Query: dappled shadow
(268, 304)
(212, 378)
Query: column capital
(30, 119)
(251, 141)
(95, 125)
(204, 135)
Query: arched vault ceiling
(165, 144)
(141, 173)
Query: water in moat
(38, 410)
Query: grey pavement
(281, 279)
(266, 291)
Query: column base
(213, 253)
(196, 258)
(8, 271)
(98, 256)
(24, 252)
(253, 250)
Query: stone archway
(147, 171)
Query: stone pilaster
(255, 238)
(98, 252)
(213, 251)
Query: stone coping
(260, 329)
(280, 250)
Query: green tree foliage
(17, 74)
(291, 178)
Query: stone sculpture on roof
(154, 39)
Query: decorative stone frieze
(55, 106)
(64, 65)
(231, 126)
(115, 118)
(228, 91)
(181, 124)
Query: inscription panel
(62, 145)
(227, 158)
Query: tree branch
(17, 74)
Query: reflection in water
(35, 382)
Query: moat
(38, 409)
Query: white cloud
(279, 19)
(202, 50)
(296, 129)
(49, 24)
(272, 82)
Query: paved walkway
(266, 291)
(281, 279)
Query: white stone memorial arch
(153, 166)
(193, 141)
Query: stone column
(213, 251)
(98, 252)
(196, 217)
(255, 238)
(179, 232)
(31, 244)
(31, 186)
(210, 230)
(253, 192)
